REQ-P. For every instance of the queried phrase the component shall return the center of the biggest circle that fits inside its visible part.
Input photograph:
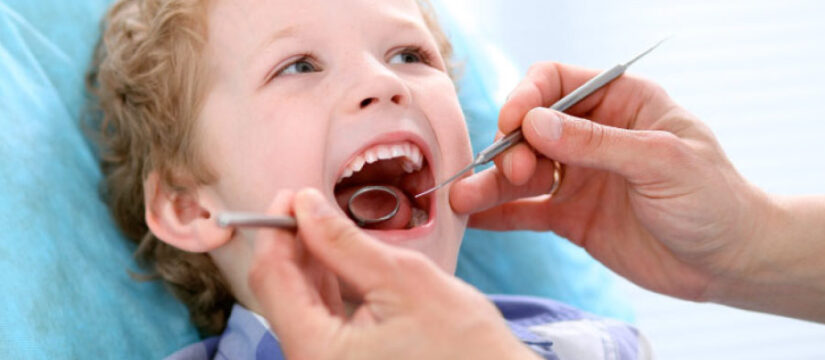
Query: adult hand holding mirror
(410, 309)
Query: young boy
(214, 106)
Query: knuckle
(652, 88)
(668, 147)
(531, 95)
(664, 140)
(646, 87)
(594, 135)
(536, 68)
(541, 80)
(541, 67)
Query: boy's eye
(300, 66)
(409, 56)
(405, 58)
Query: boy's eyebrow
(282, 33)
(403, 23)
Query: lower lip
(404, 235)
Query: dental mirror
(358, 210)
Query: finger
(544, 84)
(331, 295)
(637, 155)
(533, 214)
(490, 187)
(517, 164)
(502, 217)
(340, 245)
(262, 241)
(617, 104)
(292, 307)
(324, 282)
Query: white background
(753, 70)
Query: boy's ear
(183, 219)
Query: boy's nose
(395, 99)
(382, 89)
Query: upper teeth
(413, 160)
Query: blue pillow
(63, 263)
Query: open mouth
(399, 166)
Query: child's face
(302, 89)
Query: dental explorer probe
(565, 103)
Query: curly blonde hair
(149, 81)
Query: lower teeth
(419, 217)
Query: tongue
(374, 205)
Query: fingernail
(547, 125)
(507, 161)
(317, 205)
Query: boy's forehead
(247, 24)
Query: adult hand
(410, 308)
(648, 191)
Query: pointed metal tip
(451, 179)
(666, 38)
(429, 191)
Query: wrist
(779, 263)
(737, 255)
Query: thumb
(339, 244)
(581, 142)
